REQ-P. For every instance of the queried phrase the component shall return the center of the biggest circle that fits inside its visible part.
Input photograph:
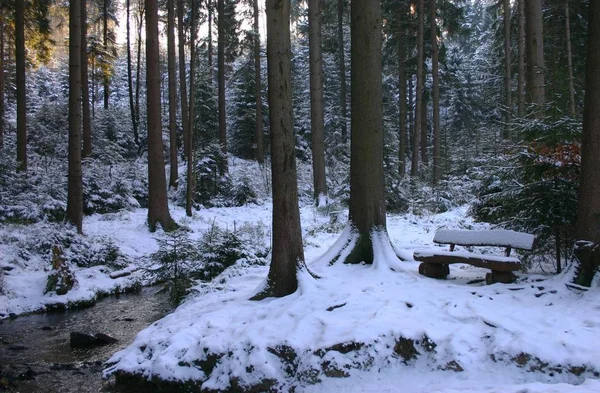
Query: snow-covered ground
(384, 330)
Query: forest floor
(357, 328)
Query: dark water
(35, 355)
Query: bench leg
(434, 270)
(500, 277)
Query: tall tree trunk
(588, 215)
(521, 80)
(411, 120)
(342, 69)
(93, 87)
(1, 78)
(367, 193)
(173, 175)
(402, 94)
(190, 143)
(210, 43)
(132, 108)
(182, 80)
(572, 111)
(139, 66)
(85, 88)
(20, 80)
(588, 218)
(437, 160)
(535, 54)
(75, 185)
(105, 42)
(507, 68)
(424, 130)
(260, 152)
(414, 170)
(288, 254)
(317, 114)
(221, 78)
(158, 209)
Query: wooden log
(434, 270)
(500, 277)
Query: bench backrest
(495, 237)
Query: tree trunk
(572, 111)
(588, 215)
(259, 152)
(424, 134)
(288, 254)
(367, 191)
(1, 78)
(132, 107)
(210, 43)
(173, 175)
(190, 153)
(221, 77)
(182, 79)
(414, 170)
(75, 185)
(342, 69)
(535, 54)
(20, 80)
(507, 68)
(437, 161)
(139, 66)
(521, 80)
(158, 209)
(557, 238)
(402, 95)
(85, 92)
(411, 119)
(317, 114)
(105, 42)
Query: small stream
(35, 355)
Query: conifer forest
(308, 196)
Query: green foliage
(535, 188)
(177, 256)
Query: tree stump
(588, 258)
(434, 270)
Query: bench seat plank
(493, 262)
(496, 237)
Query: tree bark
(190, 153)
(367, 191)
(182, 79)
(572, 110)
(507, 68)
(20, 81)
(259, 152)
(437, 160)
(342, 70)
(132, 107)
(210, 43)
(105, 42)
(139, 66)
(288, 254)
(1, 78)
(535, 54)
(402, 94)
(521, 80)
(221, 78)
(158, 209)
(85, 92)
(173, 174)
(588, 218)
(414, 170)
(75, 185)
(317, 114)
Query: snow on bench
(495, 237)
(435, 263)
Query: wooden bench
(435, 264)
